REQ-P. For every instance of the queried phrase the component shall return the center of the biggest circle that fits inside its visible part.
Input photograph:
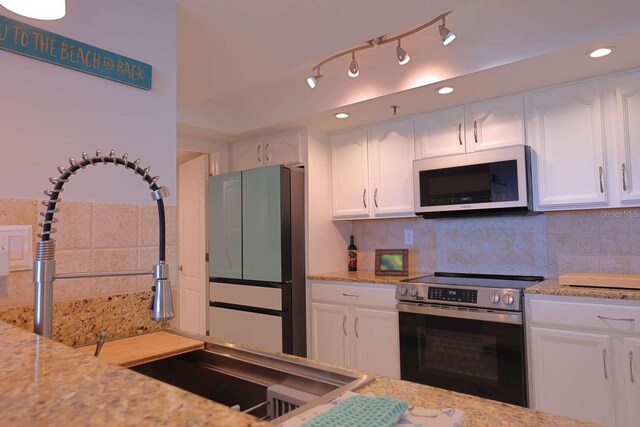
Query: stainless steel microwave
(492, 182)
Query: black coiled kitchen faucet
(44, 273)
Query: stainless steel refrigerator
(256, 258)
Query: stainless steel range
(464, 332)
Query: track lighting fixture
(354, 70)
(446, 35)
(403, 57)
(312, 81)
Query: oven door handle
(494, 316)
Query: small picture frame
(392, 262)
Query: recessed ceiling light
(600, 52)
(341, 115)
(444, 90)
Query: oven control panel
(469, 296)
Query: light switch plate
(408, 236)
(17, 240)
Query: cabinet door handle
(180, 267)
(350, 295)
(460, 133)
(621, 319)
(266, 152)
(601, 184)
(475, 130)
(624, 178)
(375, 197)
(604, 363)
(258, 152)
(344, 325)
(356, 328)
(364, 194)
(631, 367)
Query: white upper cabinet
(284, 149)
(350, 175)
(628, 127)
(391, 168)
(440, 133)
(494, 123)
(247, 155)
(565, 130)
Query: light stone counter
(46, 383)
(366, 276)
(552, 287)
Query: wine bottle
(352, 255)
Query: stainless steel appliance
(256, 258)
(464, 332)
(491, 182)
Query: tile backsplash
(553, 243)
(92, 237)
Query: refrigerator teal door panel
(225, 225)
(261, 222)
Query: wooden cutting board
(144, 348)
(626, 281)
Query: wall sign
(33, 42)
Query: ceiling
(242, 63)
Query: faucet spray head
(162, 299)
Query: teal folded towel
(370, 411)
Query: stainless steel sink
(268, 386)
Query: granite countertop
(44, 382)
(366, 276)
(552, 287)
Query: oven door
(471, 352)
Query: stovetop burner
(477, 280)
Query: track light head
(446, 35)
(402, 55)
(312, 81)
(354, 70)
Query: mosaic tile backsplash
(550, 244)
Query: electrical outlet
(408, 237)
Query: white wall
(49, 113)
(218, 151)
(326, 240)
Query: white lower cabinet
(584, 355)
(569, 370)
(355, 326)
(330, 341)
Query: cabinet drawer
(358, 295)
(252, 296)
(582, 315)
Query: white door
(391, 169)
(565, 131)
(283, 149)
(192, 231)
(330, 333)
(495, 123)
(628, 112)
(572, 374)
(377, 342)
(629, 362)
(247, 155)
(349, 175)
(440, 133)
